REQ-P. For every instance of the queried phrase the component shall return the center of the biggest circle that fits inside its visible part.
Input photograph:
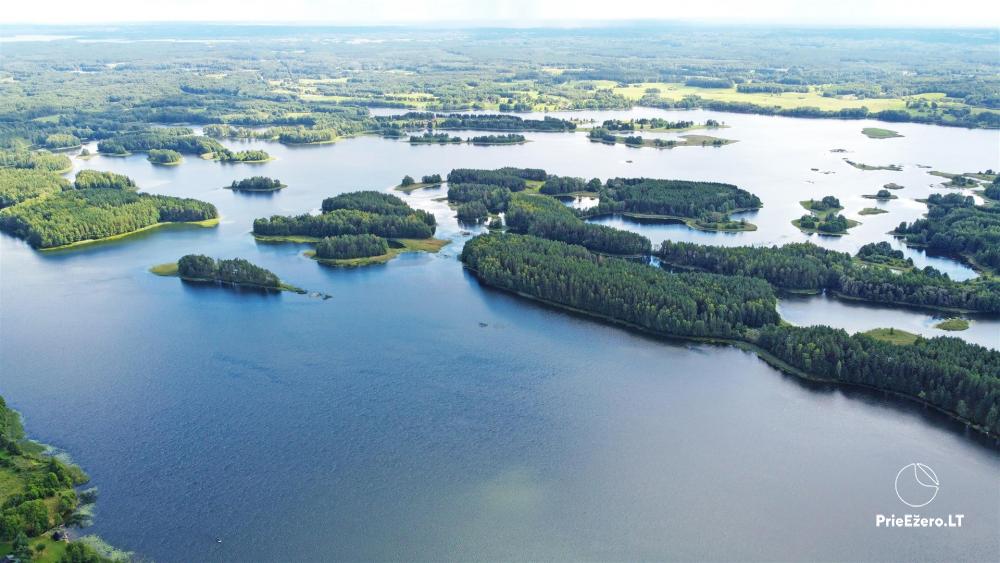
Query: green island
(378, 214)
(234, 273)
(892, 336)
(429, 138)
(508, 139)
(364, 250)
(164, 157)
(705, 206)
(956, 226)
(893, 186)
(948, 374)
(99, 206)
(953, 325)
(878, 274)
(879, 133)
(872, 211)
(256, 184)
(408, 184)
(862, 166)
(39, 499)
(881, 195)
(601, 135)
(247, 157)
(824, 217)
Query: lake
(418, 415)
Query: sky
(877, 13)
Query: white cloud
(956, 13)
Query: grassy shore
(207, 223)
(893, 336)
(850, 225)
(863, 166)
(416, 186)
(872, 211)
(954, 324)
(690, 222)
(431, 245)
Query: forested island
(165, 157)
(956, 226)
(39, 498)
(960, 379)
(881, 195)
(378, 214)
(700, 205)
(508, 139)
(602, 135)
(235, 273)
(656, 124)
(824, 217)
(408, 184)
(429, 138)
(500, 122)
(99, 206)
(256, 184)
(805, 267)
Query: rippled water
(418, 415)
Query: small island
(429, 138)
(164, 157)
(863, 166)
(247, 157)
(953, 325)
(236, 273)
(824, 218)
(879, 133)
(883, 254)
(893, 186)
(881, 195)
(367, 249)
(508, 139)
(872, 211)
(256, 184)
(408, 184)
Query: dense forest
(22, 184)
(90, 214)
(502, 123)
(355, 213)
(34, 160)
(556, 185)
(692, 304)
(256, 184)
(949, 373)
(805, 266)
(230, 272)
(351, 246)
(956, 226)
(39, 493)
(959, 378)
(98, 180)
(429, 138)
(544, 217)
(178, 139)
(672, 197)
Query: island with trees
(824, 217)
(165, 157)
(601, 135)
(247, 156)
(101, 206)
(705, 206)
(356, 213)
(234, 273)
(948, 374)
(368, 249)
(501, 122)
(863, 166)
(408, 184)
(40, 495)
(256, 184)
(881, 195)
(508, 139)
(956, 226)
(429, 138)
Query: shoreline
(205, 223)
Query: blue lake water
(389, 423)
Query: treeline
(948, 373)
(502, 122)
(434, 138)
(672, 197)
(545, 217)
(61, 141)
(234, 272)
(89, 214)
(302, 136)
(509, 139)
(351, 246)
(556, 185)
(956, 226)
(226, 155)
(257, 184)
(22, 184)
(35, 160)
(805, 266)
(98, 180)
(366, 212)
(695, 304)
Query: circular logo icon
(916, 485)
